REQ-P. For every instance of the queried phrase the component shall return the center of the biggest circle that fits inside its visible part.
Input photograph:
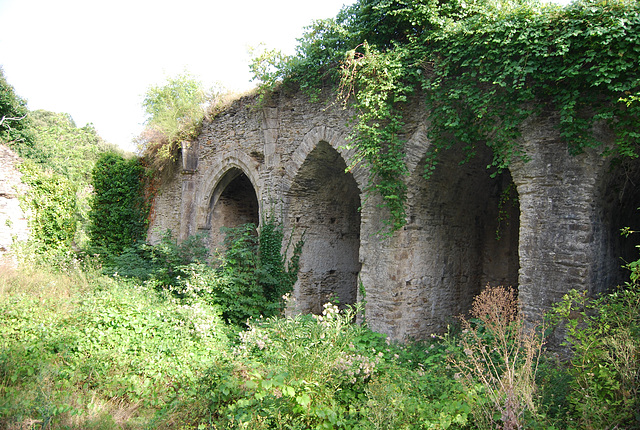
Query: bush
(253, 273)
(325, 372)
(52, 205)
(604, 337)
(118, 210)
(500, 355)
(163, 264)
(110, 351)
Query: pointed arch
(229, 197)
(334, 139)
(323, 203)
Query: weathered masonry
(544, 226)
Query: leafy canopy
(63, 147)
(14, 122)
(118, 209)
(174, 113)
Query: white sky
(94, 59)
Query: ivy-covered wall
(545, 225)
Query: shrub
(163, 264)
(254, 275)
(325, 372)
(118, 210)
(604, 336)
(108, 352)
(500, 354)
(52, 205)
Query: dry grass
(40, 282)
(502, 355)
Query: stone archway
(324, 205)
(233, 203)
(458, 238)
(617, 208)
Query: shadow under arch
(232, 201)
(323, 204)
(617, 207)
(462, 233)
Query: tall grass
(79, 351)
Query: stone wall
(13, 223)
(558, 230)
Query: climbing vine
(371, 79)
(484, 67)
(52, 204)
(497, 69)
(118, 210)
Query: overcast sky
(94, 59)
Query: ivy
(51, 202)
(118, 210)
(483, 68)
(371, 78)
(496, 69)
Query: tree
(65, 148)
(174, 113)
(14, 121)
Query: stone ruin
(559, 230)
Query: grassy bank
(81, 350)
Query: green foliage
(162, 264)
(67, 355)
(15, 127)
(604, 334)
(68, 151)
(253, 273)
(174, 113)
(118, 209)
(483, 66)
(50, 201)
(83, 350)
(247, 280)
(63, 147)
(497, 68)
(372, 78)
(267, 67)
(325, 372)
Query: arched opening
(618, 209)
(233, 203)
(324, 206)
(463, 231)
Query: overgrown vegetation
(483, 67)
(175, 111)
(604, 335)
(15, 128)
(52, 204)
(85, 350)
(167, 336)
(118, 209)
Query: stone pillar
(188, 195)
(270, 133)
(557, 192)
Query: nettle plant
(483, 68)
